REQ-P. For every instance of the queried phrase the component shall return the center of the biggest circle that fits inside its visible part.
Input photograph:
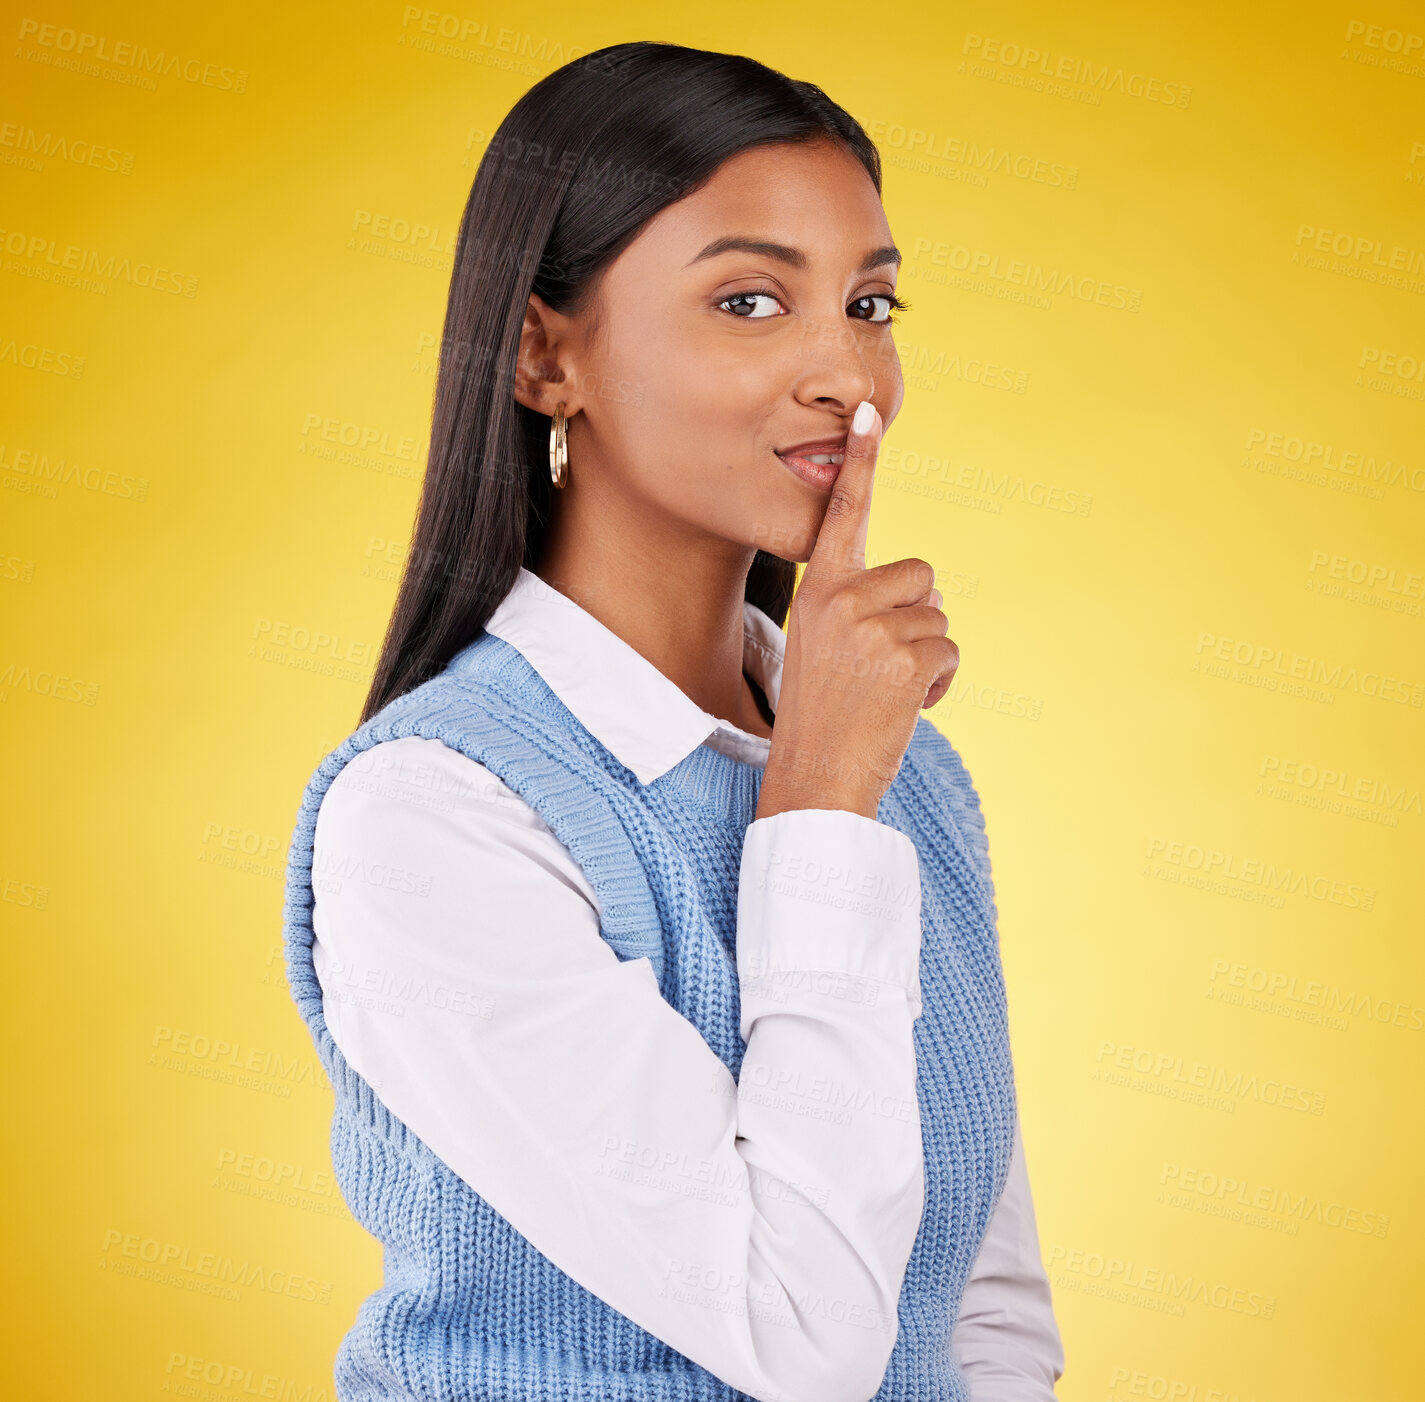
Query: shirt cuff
(828, 891)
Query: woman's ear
(541, 379)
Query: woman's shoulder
(449, 813)
(413, 773)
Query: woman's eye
(760, 304)
(741, 301)
(878, 297)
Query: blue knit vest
(469, 1308)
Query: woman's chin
(792, 538)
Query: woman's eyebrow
(740, 243)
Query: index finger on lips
(841, 542)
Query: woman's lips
(816, 463)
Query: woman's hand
(866, 650)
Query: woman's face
(712, 357)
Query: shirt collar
(618, 695)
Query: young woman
(651, 950)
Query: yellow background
(1172, 630)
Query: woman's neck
(681, 610)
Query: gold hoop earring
(559, 447)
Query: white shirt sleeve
(760, 1226)
(1006, 1338)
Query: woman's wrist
(780, 797)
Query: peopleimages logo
(205, 1272)
(63, 47)
(1040, 64)
(1023, 274)
(190, 1375)
(1377, 36)
(1359, 247)
(1269, 666)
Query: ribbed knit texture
(470, 1309)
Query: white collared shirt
(471, 987)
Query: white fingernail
(865, 412)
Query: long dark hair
(583, 160)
